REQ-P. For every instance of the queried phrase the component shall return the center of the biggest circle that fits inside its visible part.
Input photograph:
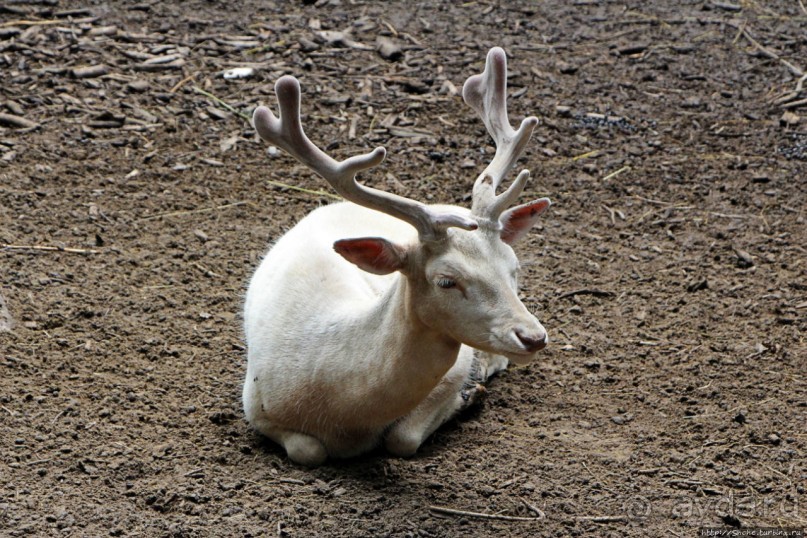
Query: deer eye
(447, 283)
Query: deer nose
(532, 342)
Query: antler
(287, 133)
(487, 95)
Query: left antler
(487, 95)
(287, 133)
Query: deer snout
(532, 340)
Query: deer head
(461, 272)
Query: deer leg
(492, 364)
(460, 388)
(300, 447)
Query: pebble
(593, 120)
(799, 148)
(622, 419)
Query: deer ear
(517, 221)
(372, 254)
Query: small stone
(566, 68)
(774, 439)
(622, 419)
(740, 417)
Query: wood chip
(10, 31)
(90, 71)
(153, 67)
(341, 39)
(789, 119)
(17, 121)
(217, 113)
(744, 259)
(389, 49)
(6, 322)
(630, 50)
(15, 108)
(306, 45)
(725, 6)
(138, 86)
(103, 30)
(168, 58)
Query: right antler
(487, 95)
(287, 133)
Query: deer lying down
(377, 319)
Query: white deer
(375, 320)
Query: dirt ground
(670, 271)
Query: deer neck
(407, 358)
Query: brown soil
(670, 272)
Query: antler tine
(487, 95)
(287, 133)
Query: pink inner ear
(372, 254)
(516, 222)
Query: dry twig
(796, 70)
(603, 519)
(587, 291)
(482, 515)
(46, 248)
(223, 103)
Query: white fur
(339, 358)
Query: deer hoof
(473, 394)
